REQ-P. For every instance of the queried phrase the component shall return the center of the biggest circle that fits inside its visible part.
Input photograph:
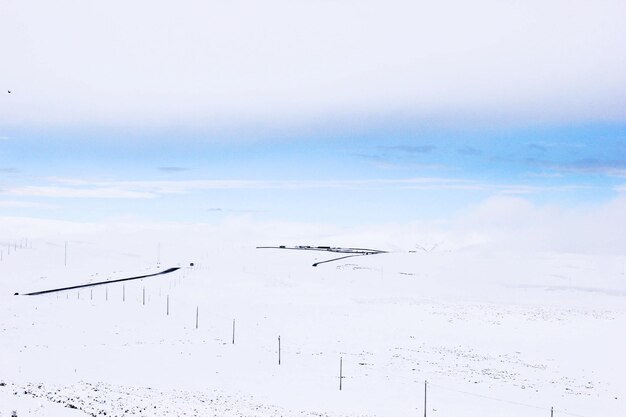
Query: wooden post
(91, 294)
(167, 308)
(340, 372)
(78, 295)
(123, 292)
(279, 349)
(233, 331)
(106, 293)
(551, 411)
(425, 387)
(196, 317)
(143, 296)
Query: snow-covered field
(495, 332)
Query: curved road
(94, 284)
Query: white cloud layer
(73, 192)
(23, 204)
(497, 224)
(81, 188)
(199, 63)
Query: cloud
(610, 167)
(602, 160)
(496, 188)
(9, 170)
(96, 191)
(496, 224)
(537, 147)
(513, 223)
(185, 186)
(242, 211)
(400, 157)
(469, 151)
(409, 149)
(275, 62)
(25, 204)
(81, 188)
(380, 161)
(173, 169)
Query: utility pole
(425, 391)
(341, 377)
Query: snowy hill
(494, 332)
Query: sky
(328, 112)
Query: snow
(495, 332)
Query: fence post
(123, 292)
(279, 349)
(167, 311)
(551, 411)
(143, 296)
(233, 331)
(196, 317)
